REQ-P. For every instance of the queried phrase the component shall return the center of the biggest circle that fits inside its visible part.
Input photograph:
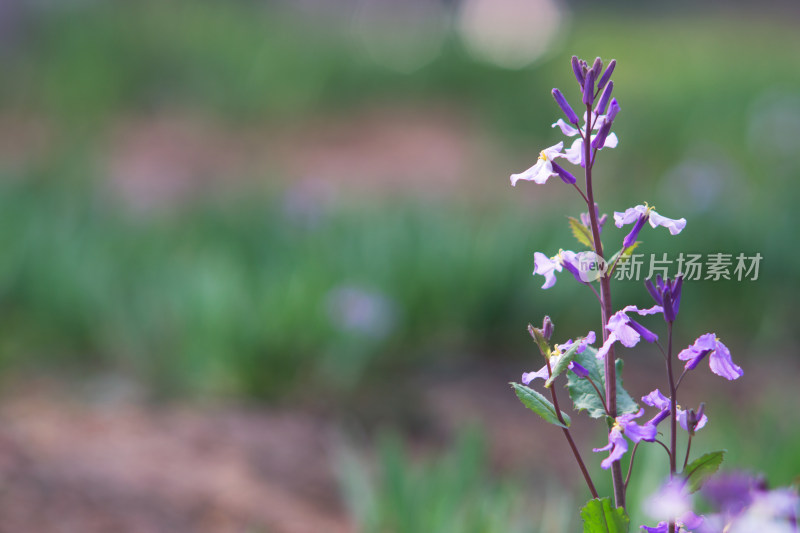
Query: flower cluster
(593, 372)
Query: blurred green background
(307, 203)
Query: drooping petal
(542, 373)
(543, 169)
(635, 432)
(656, 399)
(574, 154)
(721, 364)
(546, 267)
(674, 226)
(611, 339)
(566, 129)
(629, 216)
(616, 444)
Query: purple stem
(605, 307)
(673, 416)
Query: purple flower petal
(721, 364)
(656, 399)
(546, 267)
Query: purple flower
(744, 505)
(545, 168)
(659, 401)
(558, 351)
(587, 221)
(643, 213)
(548, 266)
(624, 426)
(667, 294)
(719, 357)
(575, 154)
(685, 524)
(624, 329)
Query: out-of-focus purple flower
(587, 221)
(558, 351)
(624, 329)
(644, 213)
(548, 266)
(685, 524)
(565, 107)
(659, 401)
(744, 505)
(545, 168)
(667, 294)
(624, 426)
(359, 310)
(719, 357)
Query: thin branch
(630, 465)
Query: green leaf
(702, 468)
(600, 517)
(539, 405)
(563, 363)
(584, 396)
(580, 232)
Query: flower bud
(576, 68)
(565, 107)
(607, 74)
(547, 328)
(603, 103)
(588, 87)
(597, 66)
(541, 341)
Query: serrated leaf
(599, 516)
(702, 468)
(539, 405)
(584, 396)
(562, 364)
(580, 232)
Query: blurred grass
(451, 493)
(235, 297)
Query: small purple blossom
(659, 401)
(624, 329)
(667, 294)
(587, 221)
(559, 351)
(548, 266)
(643, 213)
(743, 505)
(719, 357)
(685, 524)
(545, 168)
(624, 426)
(575, 154)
